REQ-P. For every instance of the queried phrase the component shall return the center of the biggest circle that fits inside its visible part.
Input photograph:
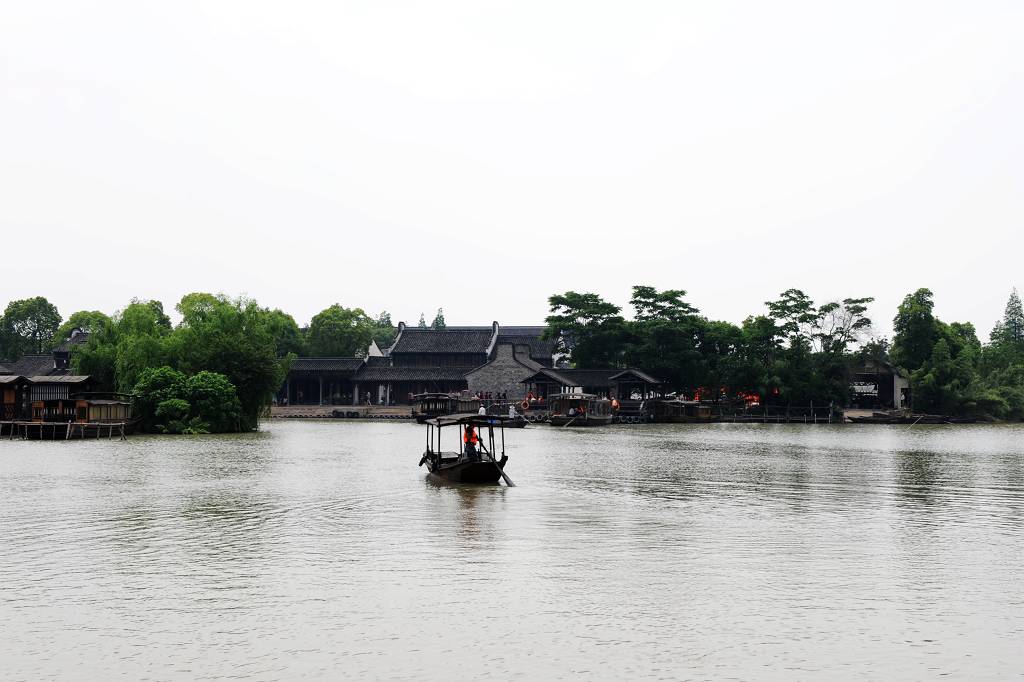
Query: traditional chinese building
(40, 377)
(422, 360)
(877, 385)
(624, 384)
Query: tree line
(798, 352)
(215, 371)
(234, 354)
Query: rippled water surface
(318, 549)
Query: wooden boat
(579, 409)
(432, 405)
(909, 419)
(482, 461)
(677, 411)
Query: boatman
(471, 440)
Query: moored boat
(675, 411)
(478, 457)
(432, 405)
(579, 409)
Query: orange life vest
(470, 436)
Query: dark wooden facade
(624, 384)
(420, 360)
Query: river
(319, 549)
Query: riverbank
(319, 549)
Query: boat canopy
(467, 418)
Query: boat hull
(681, 419)
(562, 420)
(468, 472)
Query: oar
(568, 422)
(508, 481)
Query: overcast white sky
(482, 156)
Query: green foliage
(841, 323)
(215, 401)
(795, 315)
(340, 332)
(588, 328)
(288, 338)
(651, 304)
(795, 354)
(916, 330)
(438, 322)
(91, 321)
(170, 402)
(157, 385)
(384, 331)
(234, 338)
(950, 371)
(28, 326)
(116, 353)
(422, 324)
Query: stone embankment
(340, 412)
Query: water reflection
(919, 475)
(320, 549)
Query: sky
(482, 156)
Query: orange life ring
(525, 404)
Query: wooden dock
(26, 430)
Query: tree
(89, 321)
(667, 337)
(231, 337)
(340, 332)
(157, 385)
(438, 322)
(214, 401)
(169, 402)
(288, 338)
(651, 304)
(28, 326)
(916, 330)
(588, 328)
(1010, 330)
(422, 324)
(796, 315)
(384, 331)
(840, 324)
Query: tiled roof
(449, 340)
(63, 379)
(77, 338)
(411, 374)
(638, 375)
(540, 349)
(5, 370)
(10, 378)
(589, 377)
(343, 365)
(34, 365)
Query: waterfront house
(624, 384)
(12, 396)
(31, 385)
(423, 360)
(878, 385)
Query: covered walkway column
(355, 392)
